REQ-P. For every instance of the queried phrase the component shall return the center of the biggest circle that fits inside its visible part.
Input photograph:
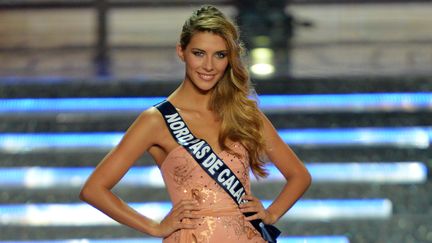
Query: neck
(187, 95)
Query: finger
(188, 207)
(253, 217)
(182, 225)
(188, 210)
(248, 204)
(189, 216)
(251, 205)
(187, 226)
(249, 197)
(250, 210)
(251, 201)
(183, 203)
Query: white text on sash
(205, 155)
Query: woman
(213, 101)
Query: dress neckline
(181, 148)
(186, 125)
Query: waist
(218, 211)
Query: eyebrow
(198, 49)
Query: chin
(206, 85)
(206, 88)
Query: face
(205, 58)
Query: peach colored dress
(221, 220)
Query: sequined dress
(221, 220)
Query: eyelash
(221, 55)
(200, 54)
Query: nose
(208, 64)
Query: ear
(180, 52)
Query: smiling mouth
(207, 77)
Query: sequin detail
(221, 219)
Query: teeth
(206, 77)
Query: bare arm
(297, 177)
(97, 189)
(144, 133)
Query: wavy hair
(241, 119)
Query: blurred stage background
(347, 83)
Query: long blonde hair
(241, 119)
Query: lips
(207, 77)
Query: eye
(198, 53)
(221, 55)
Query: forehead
(207, 41)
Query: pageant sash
(204, 155)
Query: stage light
(371, 102)
(262, 61)
(80, 214)
(150, 176)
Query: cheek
(192, 62)
(222, 65)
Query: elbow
(85, 193)
(304, 177)
(91, 193)
(307, 177)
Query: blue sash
(204, 155)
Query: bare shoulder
(268, 126)
(151, 117)
(149, 122)
(143, 133)
(139, 137)
(271, 136)
(156, 138)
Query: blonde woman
(213, 106)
